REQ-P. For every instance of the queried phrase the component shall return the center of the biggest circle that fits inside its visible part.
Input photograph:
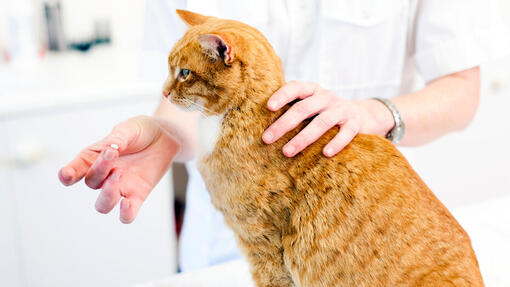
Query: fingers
(77, 168)
(67, 175)
(110, 194)
(131, 192)
(347, 132)
(80, 165)
(291, 91)
(129, 208)
(131, 203)
(342, 115)
(134, 192)
(101, 168)
(295, 115)
(121, 136)
(330, 109)
(313, 131)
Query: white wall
(473, 165)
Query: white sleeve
(162, 28)
(454, 35)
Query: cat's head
(218, 63)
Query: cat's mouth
(189, 103)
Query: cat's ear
(191, 18)
(217, 47)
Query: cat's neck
(245, 123)
(258, 92)
(239, 130)
(253, 109)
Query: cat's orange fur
(361, 218)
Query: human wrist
(169, 144)
(168, 132)
(182, 140)
(378, 119)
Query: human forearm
(181, 126)
(444, 105)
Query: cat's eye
(184, 74)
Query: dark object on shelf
(102, 35)
(81, 46)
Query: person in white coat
(405, 69)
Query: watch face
(397, 132)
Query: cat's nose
(166, 94)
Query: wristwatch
(397, 132)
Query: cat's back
(360, 218)
(366, 216)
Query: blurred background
(70, 70)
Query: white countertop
(70, 78)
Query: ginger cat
(361, 218)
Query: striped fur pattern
(361, 218)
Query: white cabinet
(10, 257)
(51, 235)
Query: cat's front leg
(267, 266)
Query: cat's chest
(218, 159)
(209, 130)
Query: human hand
(353, 117)
(130, 172)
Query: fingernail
(273, 104)
(289, 150)
(101, 204)
(66, 177)
(124, 204)
(268, 136)
(329, 151)
(109, 154)
(114, 146)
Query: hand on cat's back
(352, 116)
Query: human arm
(182, 125)
(443, 105)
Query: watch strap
(398, 130)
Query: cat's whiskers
(198, 107)
(195, 106)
